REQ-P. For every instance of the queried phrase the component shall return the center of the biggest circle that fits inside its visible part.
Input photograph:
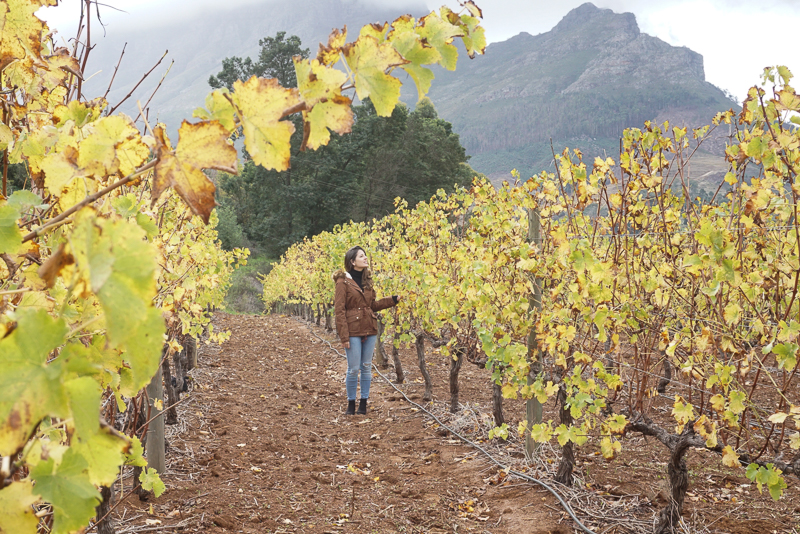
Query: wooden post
(155, 431)
(533, 408)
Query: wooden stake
(533, 408)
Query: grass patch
(244, 295)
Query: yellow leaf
(203, 145)
(609, 448)
(778, 418)
(334, 114)
(729, 457)
(218, 107)
(371, 62)
(21, 29)
(113, 145)
(5, 136)
(329, 55)
(261, 104)
(59, 169)
(439, 34)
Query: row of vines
(109, 254)
(605, 286)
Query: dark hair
(350, 257)
(349, 260)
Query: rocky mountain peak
(587, 20)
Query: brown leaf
(50, 268)
(203, 145)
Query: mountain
(198, 43)
(580, 84)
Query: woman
(357, 324)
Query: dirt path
(264, 446)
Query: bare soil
(263, 446)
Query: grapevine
(644, 291)
(110, 259)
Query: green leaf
(147, 224)
(541, 433)
(409, 44)
(152, 482)
(84, 401)
(122, 271)
(29, 389)
(67, 487)
(10, 234)
(104, 453)
(25, 199)
(736, 401)
(786, 355)
(136, 454)
(17, 516)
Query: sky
(737, 38)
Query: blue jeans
(359, 358)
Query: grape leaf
(409, 44)
(329, 54)
(29, 389)
(120, 266)
(17, 516)
(729, 457)
(335, 115)
(218, 107)
(113, 145)
(320, 89)
(439, 33)
(260, 104)
(10, 234)
(609, 448)
(203, 145)
(5, 136)
(370, 62)
(67, 487)
(152, 482)
(104, 453)
(22, 31)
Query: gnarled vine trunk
(398, 367)
(567, 464)
(670, 516)
(455, 367)
(107, 525)
(497, 404)
(171, 391)
(190, 344)
(383, 359)
(419, 343)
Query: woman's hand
(346, 345)
(399, 298)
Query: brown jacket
(355, 309)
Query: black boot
(362, 407)
(351, 407)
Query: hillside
(580, 84)
(198, 44)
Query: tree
(274, 61)
(410, 154)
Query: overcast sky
(737, 38)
